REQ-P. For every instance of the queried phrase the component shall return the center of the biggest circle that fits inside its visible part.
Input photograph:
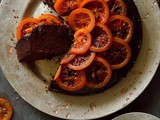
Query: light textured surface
(27, 84)
(136, 116)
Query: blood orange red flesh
(6, 110)
(117, 7)
(98, 74)
(119, 54)
(121, 26)
(98, 7)
(80, 62)
(71, 80)
(64, 7)
(68, 57)
(101, 38)
(81, 18)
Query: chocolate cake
(51, 40)
(44, 42)
(50, 3)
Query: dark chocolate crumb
(46, 89)
(49, 3)
(13, 35)
(51, 75)
(44, 80)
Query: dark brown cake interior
(44, 42)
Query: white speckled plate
(32, 89)
(136, 116)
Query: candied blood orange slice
(82, 42)
(64, 7)
(71, 80)
(81, 18)
(101, 38)
(119, 54)
(98, 7)
(48, 19)
(6, 110)
(26, 26)
(121, 26)
(68, 57)
(80, 62)
(117, 7)
(98, 74)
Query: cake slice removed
(44, 42)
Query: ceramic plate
(33, 89)
(136, 116)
